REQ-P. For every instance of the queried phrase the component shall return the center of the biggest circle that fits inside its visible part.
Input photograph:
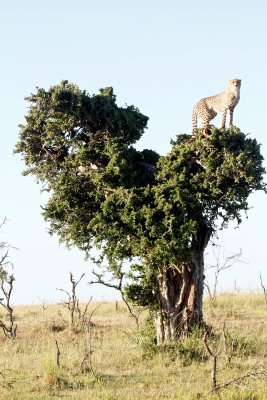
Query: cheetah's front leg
(224, 119)
(231, 117)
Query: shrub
(55, 378)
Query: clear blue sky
(161, 56)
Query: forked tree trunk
(180, 293)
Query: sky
(162, 57)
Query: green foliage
(142, 295)
(212, 177)
(147, 337)
(188, 349)
(141, 291)
(129, 203)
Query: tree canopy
(132, 205)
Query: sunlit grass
(123, 366)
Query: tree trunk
(180, 293)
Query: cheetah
(208, 107)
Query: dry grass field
(112, 360)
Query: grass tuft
(55, 378)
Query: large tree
(157, 213)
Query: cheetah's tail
(194, 124)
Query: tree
(7, 279)
(155, 212)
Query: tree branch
(118, 287)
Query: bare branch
(100, 280)
(214, 356)
(264, 289)
(73, 303)
(58, 353)
(6, 287)
(227, 343)
(222, 262)
(118, 286)
(85, 310)
(238, 379)
(89, 349)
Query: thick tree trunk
(180, 293)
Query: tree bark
(180, 293)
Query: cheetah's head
(235, 83)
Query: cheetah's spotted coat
(208, 107)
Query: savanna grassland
(110, 359)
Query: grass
(117, 362)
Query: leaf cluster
(211, 178)
(66, 127)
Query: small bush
(245, 346)
(188, 349)
(55, 378)
(56, 326)
(191, 348)
(147, 338)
